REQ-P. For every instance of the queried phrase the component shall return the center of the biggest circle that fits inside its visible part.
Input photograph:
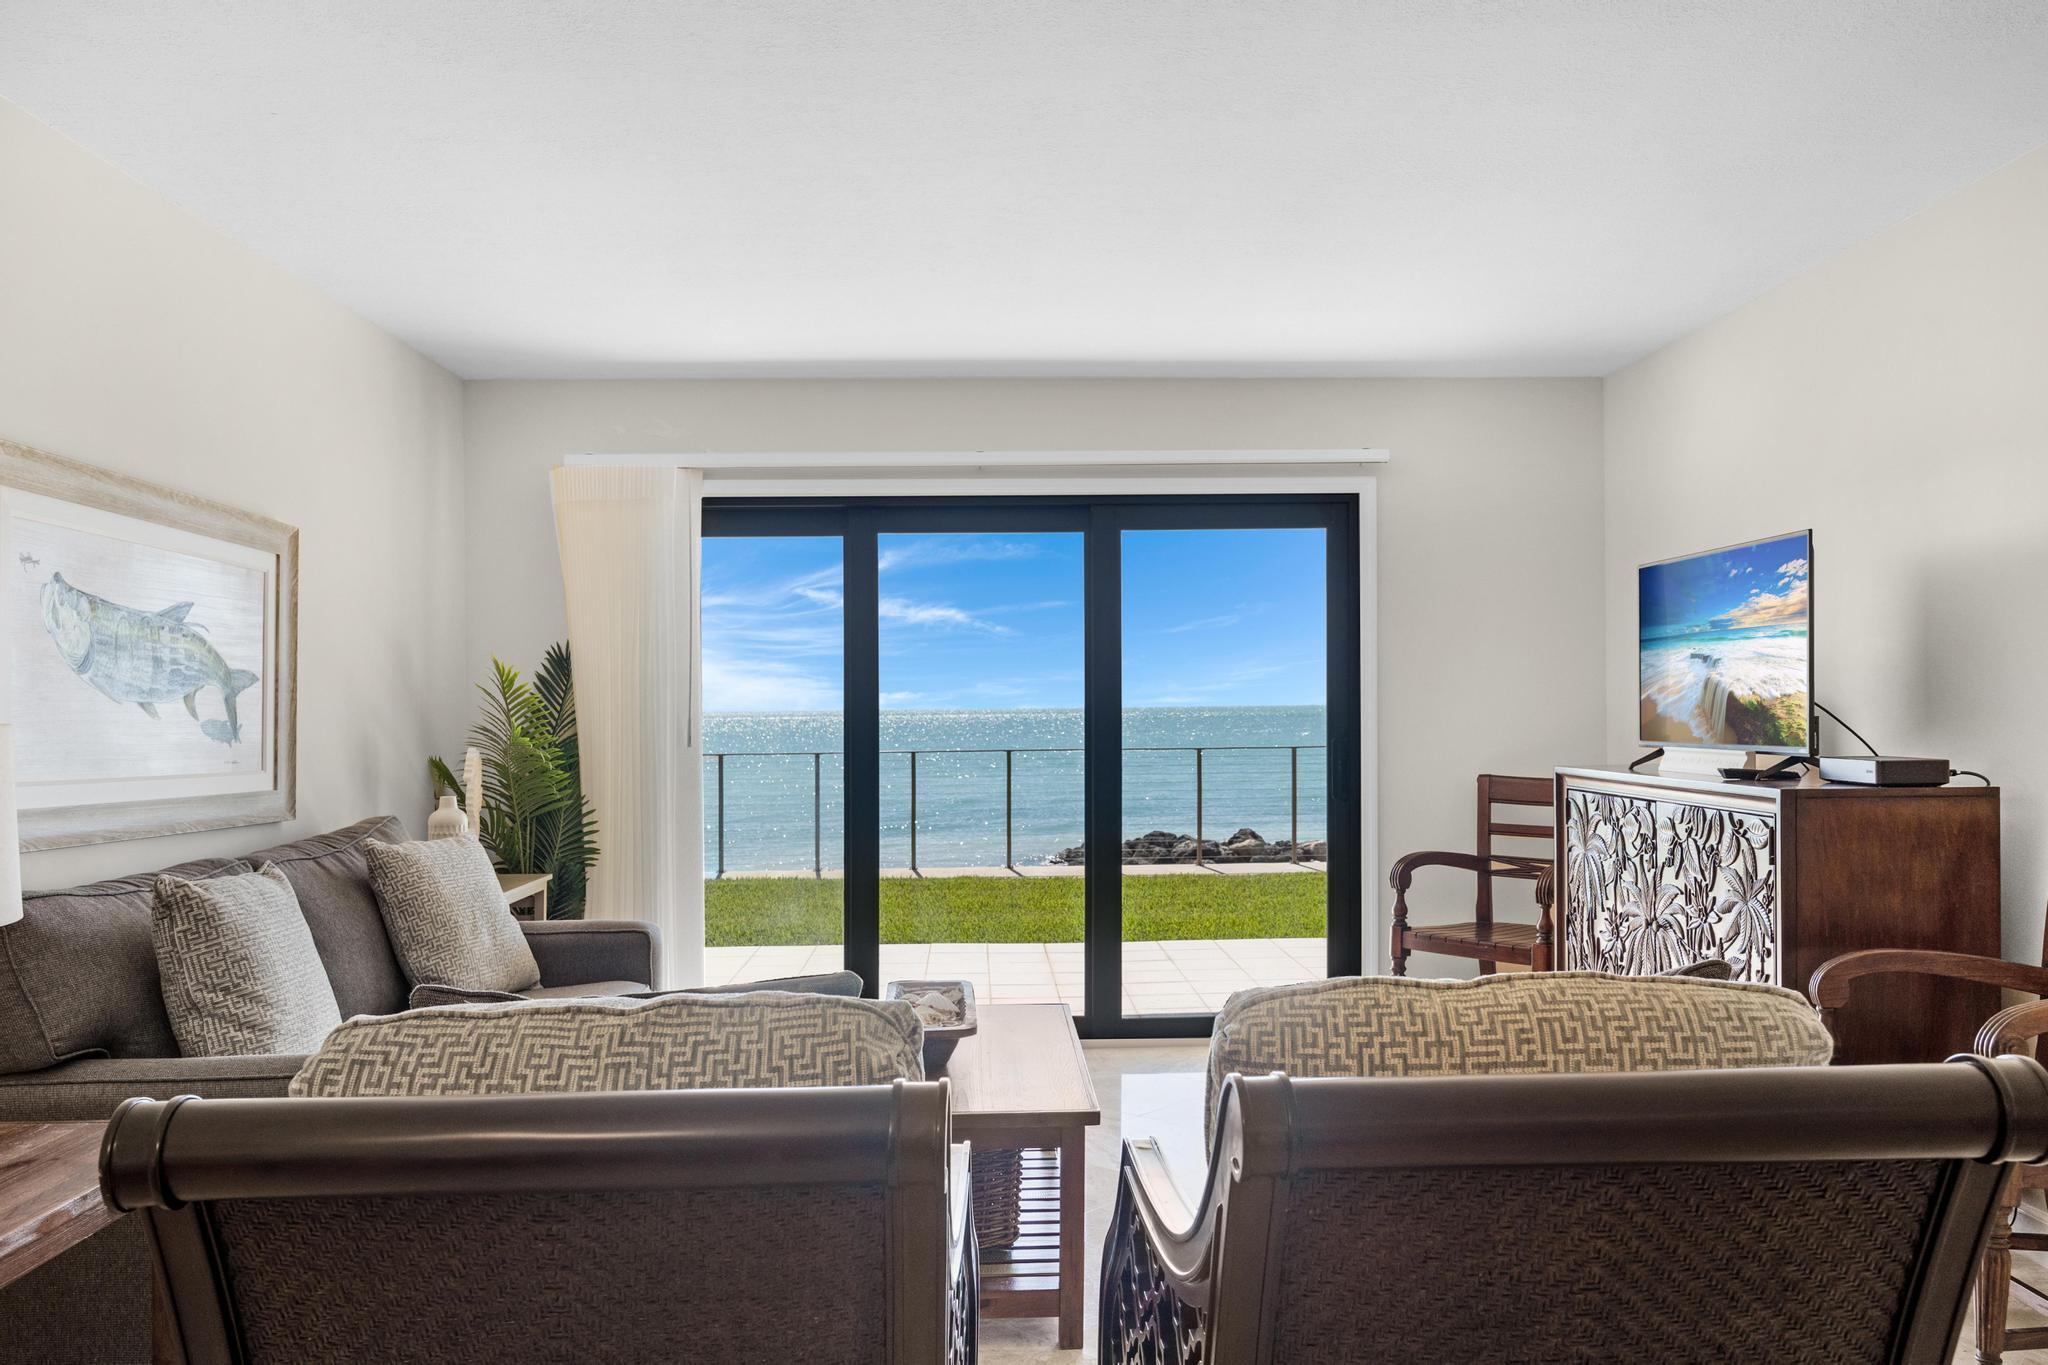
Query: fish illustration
(142, 657)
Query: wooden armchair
(2012, 1030)
(1483, 937)
(1671, 1217)
(738, 1226)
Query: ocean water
(1690, 677)
(773, 761)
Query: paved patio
(1178, 977)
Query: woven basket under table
(998, 1195)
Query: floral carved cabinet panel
(1658, 870)
(1652, 884)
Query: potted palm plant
(535, 817)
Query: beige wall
(134, 337)
(1895, 400)
(1489, 527)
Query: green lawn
(772, 911)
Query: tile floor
(1155, 1090)
(1179, 977)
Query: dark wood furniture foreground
(1022, 1082)
(2012, 1030)
(1655, 872)
(1751, 1215)
(715, 1225)
(74, 1275)
(49, 1193)
(1483, 937)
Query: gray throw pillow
(241, 976)
(447, 918)
(1706, 969)
(429, 994)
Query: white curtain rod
(754, 462)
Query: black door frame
(859, 522)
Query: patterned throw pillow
(678, 1042)
(240, 973)
(1522, 1024)
(447, 917)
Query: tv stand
(1777, 878)
(1649, 757)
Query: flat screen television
(1725, 648)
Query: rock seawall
(1164, 846)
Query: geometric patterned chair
(671, 1042)
(739, 1226)
(1524, 1024)
(1756, 1214)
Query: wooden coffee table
(1022, 1081)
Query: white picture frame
(151, 662)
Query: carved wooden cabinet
(1776, 879)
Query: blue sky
(993, 621)
(1754, 585)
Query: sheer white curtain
(629, 546)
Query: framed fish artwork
(151, 641)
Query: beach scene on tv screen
(1724, 641)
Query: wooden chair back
(728, 1225)
(1380, 1219)
(1517, 793)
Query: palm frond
(535, 816)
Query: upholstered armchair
(1753, 1214)
(717, 1225)
(734, 1044)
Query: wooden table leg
(1073, 1234)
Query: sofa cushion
(428, 994)
(677, 1042)
(330, 874)
(78, 973)
(240, 974)
(447, 916)
(1520, 1024)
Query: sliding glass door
(981, 668)
(1094, 751)
(1225, 764)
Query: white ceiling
(895, 187)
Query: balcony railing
(1200, 751)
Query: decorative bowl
(939, 1039)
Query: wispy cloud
(765, 685)
(1202, 623)
(817, 589)
(1009, 608)
(934, 614)
(931, 550)
(1209, 690)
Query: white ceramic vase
(447, 821)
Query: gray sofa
(82, 1022)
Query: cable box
(1883, 770)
